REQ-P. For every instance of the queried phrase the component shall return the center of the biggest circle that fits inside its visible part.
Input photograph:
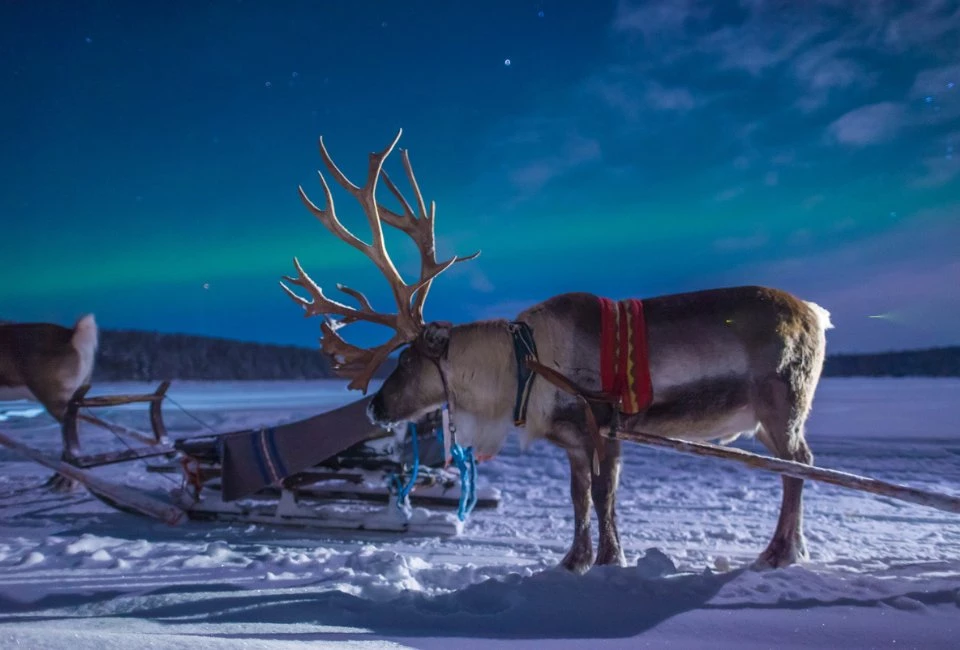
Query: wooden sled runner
(117, 496)
(330, 471)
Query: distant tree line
(150, 356)
(935, 362)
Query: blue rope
(467, 465)
(404, 490)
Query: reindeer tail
(85, 336)
(823, 316)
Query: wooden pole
(118, 429)
(799, 470)
(122, 495)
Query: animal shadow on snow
(607, 602)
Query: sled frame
(157, 443)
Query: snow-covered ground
(75, 574)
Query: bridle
(436, 354)
(528, 367)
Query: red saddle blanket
(624, 360)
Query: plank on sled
(301, 444)
(123, 496)
(799, 470)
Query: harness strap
(524, 348)
(585, 397)
(568, 385)
(528, 367)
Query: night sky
(151, 153)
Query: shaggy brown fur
(723, 362)
(49, 363)
(48, 360)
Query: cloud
(616, 96)
(532, 176)
(740, 244)
(868, 125)
(923, 24)
(843, 225)
(632, 96)
(932, 82)
(670, 99)
(800, 237)
(919, 307)
(657, 19)
(740, 97)
(479, 281)
(822, 73)
(729, 194)
(940, 170)
(883, 121)
(783, 158)
(741, 162)
(698, 80)
(877, 275)
(822, 70)
(678, 29)
(940, 100)
(758, 45)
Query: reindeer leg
(61, 484)
(604, 491)
(56, 405)
(782, 417)
(580, 556)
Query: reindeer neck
(482, 369)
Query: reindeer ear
(435, 339)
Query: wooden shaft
(799, 470)
(119, 429)
(156, 413)
(122, 495)
(118, 400)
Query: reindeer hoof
(61, 484)
(781, 553)
(611, 558)
(577, 561)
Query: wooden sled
(353, 488)
(340, 472)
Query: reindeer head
(417, 385)
(412, 388)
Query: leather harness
(528, 367)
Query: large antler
(348, 360)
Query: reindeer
(722, 363)
(48, 362)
